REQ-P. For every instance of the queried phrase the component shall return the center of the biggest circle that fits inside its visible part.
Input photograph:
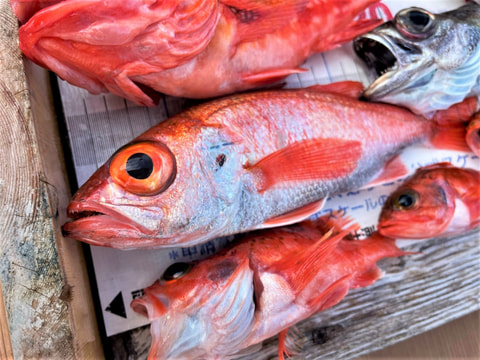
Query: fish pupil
(406, 200)
(176, 271)
(418, 18)
(139, 166)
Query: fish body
(189, 48)
(438, 200)
(240, 163)
(473, 134)
(24, 9)
(258, 287)
(424, 61)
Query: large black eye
(176, 271)
(405, 200)
(139, 166)
(415, 23)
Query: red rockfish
(438, 200)
(24, 9)
(257, 288)
(186, 48)
(244, 162)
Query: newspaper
(98, 125)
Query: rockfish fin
(355, 29)
(270, 76)
(393, 170)
(307, 160)
(348, 88)
(288, 342)
(255, 19)
(295, 216)
(451, 131)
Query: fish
(473, 134)
(137, 49)
(258, 287)
(424, 61)
(245, 162)
(24, 9)
(438, 200)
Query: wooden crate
(47, 309)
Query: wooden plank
(47, 300)
(6, 351)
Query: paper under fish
(438, 200)
(424, 61)
(244, 162)
(257, 288)
(189, 48)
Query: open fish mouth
(101, 226)
(377, 54)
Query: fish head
(199, 310)
(421, 60)
(169, 187)
(421, 208)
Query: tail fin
(451, 125)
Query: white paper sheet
(98, 125)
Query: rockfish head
(166, 188)
(428, 204)
(423, 61)
(200, 310)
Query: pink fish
(244, 162)
(438, 200)
(188, 48)
(24, 9)
(257, 288)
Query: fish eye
(145, 168)
(406, 200)
(415, 23)
(176, 271)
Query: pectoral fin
(295, 216)
(309, 160)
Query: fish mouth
(98, 225)
(393, 63)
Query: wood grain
(46, 300)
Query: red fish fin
(269, 76)
(332, 294)
(393, 170)
(457, 113)
(473, 134)
(349, 88)
(450, 138)
(308, 160)
(367, 278)
(287, 342)
(295, 216)
(355, 29)
(255, 19)
(336, 221)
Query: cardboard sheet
(98, 125)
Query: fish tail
(451, 128)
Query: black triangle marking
(117, 306)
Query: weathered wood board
(46, 294)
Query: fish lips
(98, 225)
(392, 61)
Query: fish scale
(330, 143)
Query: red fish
(438, 200)
(240, 163)
(473, 134)
(24, 9)
(257, 288)
(189, 48)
